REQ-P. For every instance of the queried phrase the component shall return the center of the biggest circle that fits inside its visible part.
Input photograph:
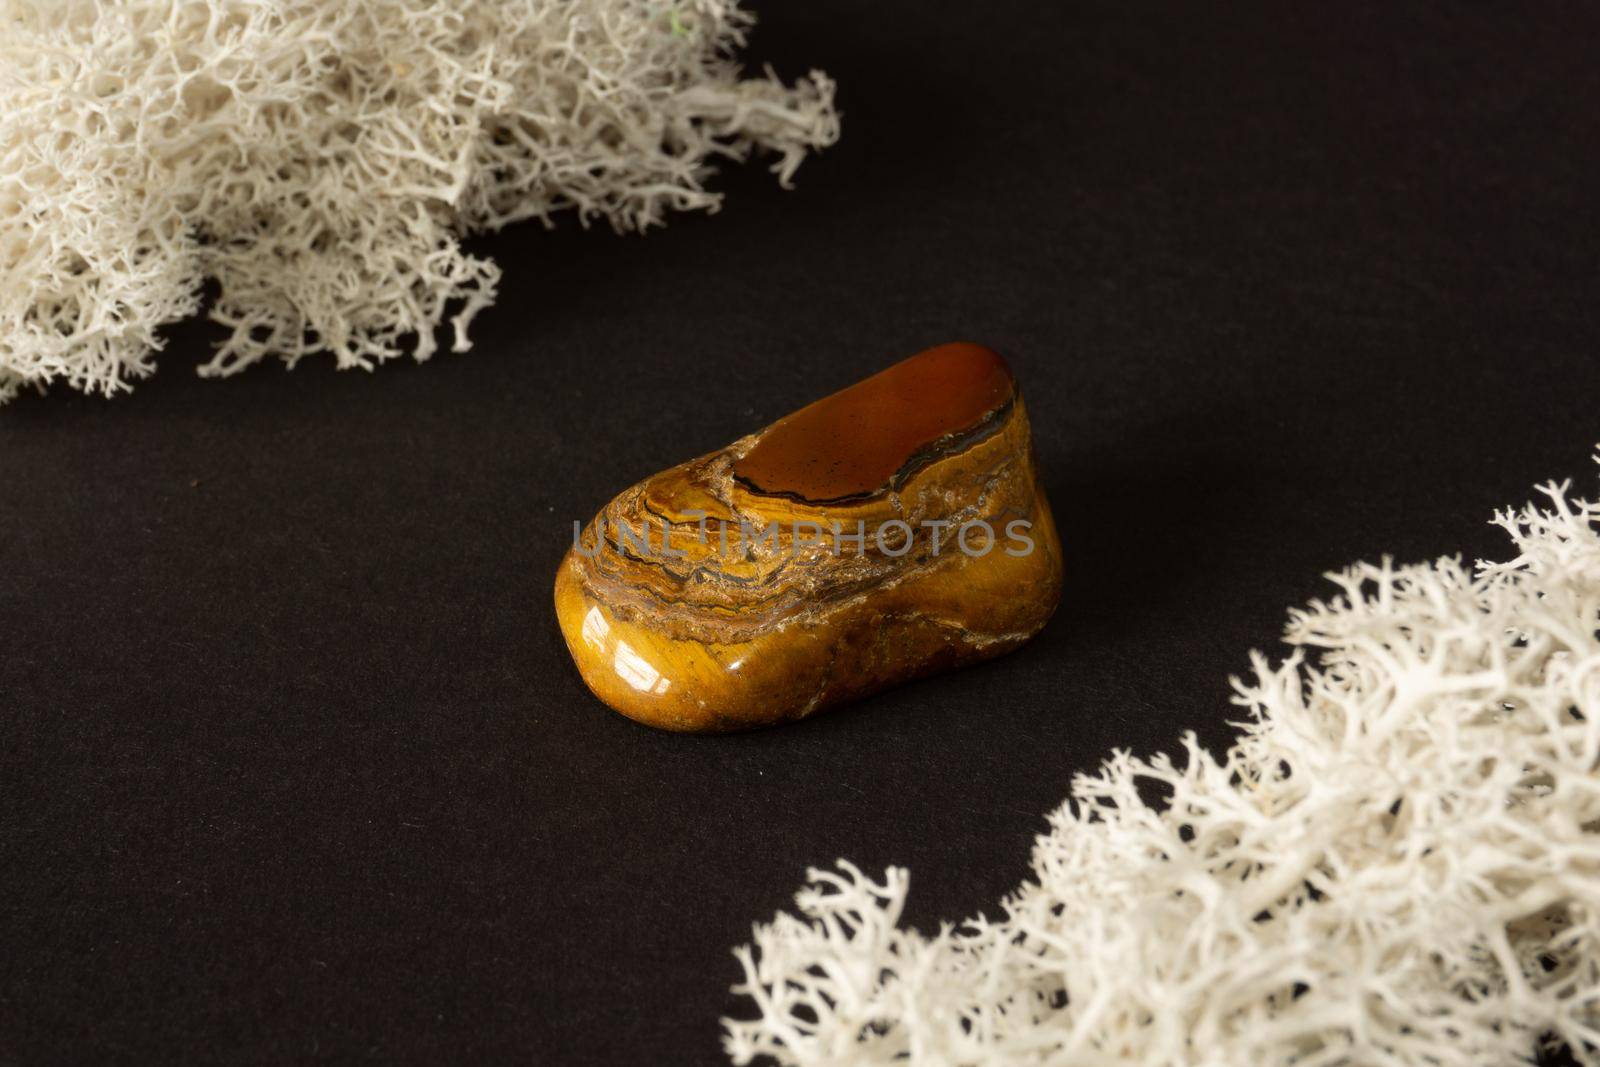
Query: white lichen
(1397, 864)
(320, 160)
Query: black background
(295, 764)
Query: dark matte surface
(295, 765)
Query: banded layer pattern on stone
(892, 530)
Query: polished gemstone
(892, 530)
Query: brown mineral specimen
(892, 530)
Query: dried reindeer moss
(1396, 865)
(320, 161)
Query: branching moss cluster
(321, 160)
(1397, 864)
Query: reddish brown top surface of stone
(854, 442)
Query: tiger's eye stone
(892, 530)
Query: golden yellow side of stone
(754, 585)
